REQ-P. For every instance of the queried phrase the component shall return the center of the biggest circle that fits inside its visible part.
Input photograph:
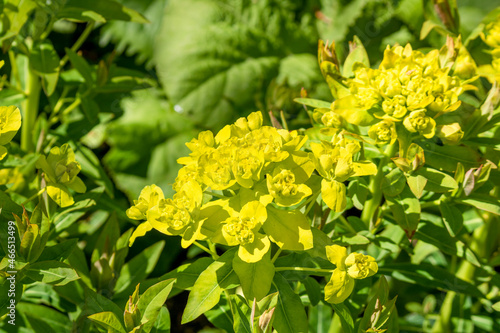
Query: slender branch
(34, 196)
(207, 250)
(78, 42)
(304, 269)
(375, 187)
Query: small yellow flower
(242, 228)
(284, 189)
(349, 267)
(10, 122)
(148, 198)
(60, 171)
(417, 121)
(383, 132)
(450, 134)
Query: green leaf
(483, 202)
(44, 318)
(345, 317)
(333, 194)
(255, 278)
(100, 11)
(432, 232)
(428, 275)
(230, 55)
(358, 192)
(406, 210)
(289, 229)
(437, 181)
(496, 306)
(452, 218)
(52, 272)
(43, 59)
(393, 183)
(290, 315)
(162, 324)
(358, 56)
(109, 321)
(81, 66)
(209, 286)
(151, 302)
(138, 269)
(416, 184)
(313, 290)
(59, 251)
(314, 103)
(95, 303)
(241, 322)
(447, 157)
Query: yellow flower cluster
(233, 186)
(491, 37)
(409, 89)
(349, 267)
(247, 166)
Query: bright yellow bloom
(349, 267)
(383, 132)
(450, 134)
(10, 122)
(60, 171)
(417, 121)
(284, 188)
(334, 162)
(242, 228)
(148, 198)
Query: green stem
(276, 255)
(374, 187)
(207, 250)
(30, 110)
(304, 269)
(346, 224)
(34, 196)
(78, 42)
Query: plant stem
(304, 269)
(34, 196)
(276, 255)
(207, 250)
(30, 109)
(78, 42)
(372, 204)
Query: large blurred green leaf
(217, 58)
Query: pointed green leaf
(151, 302)
(452, 218)
(393, 183)
(43, 58)
(109, 321)
(289, 229)
(52, 272)
(209, 286)
(406, 210)
(345, 317)
(255, 278)
(437, 181)
(100, 11)
(138, 269)
(483, 202)
(416, 184)
(290, 315)
(314, 103)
